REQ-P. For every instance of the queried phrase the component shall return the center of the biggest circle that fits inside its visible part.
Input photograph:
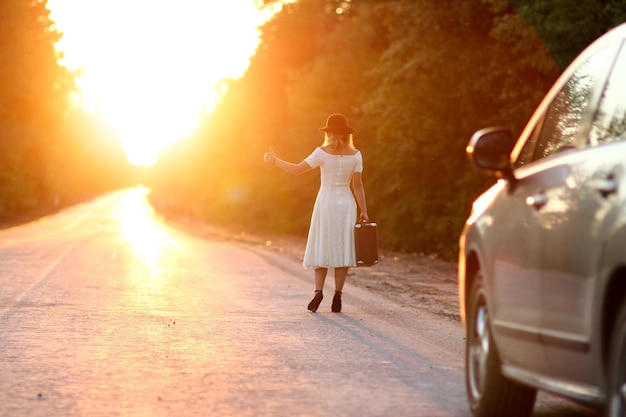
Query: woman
(330, 242)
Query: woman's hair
(333, 139)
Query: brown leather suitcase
(366, 244)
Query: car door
(514, 276)
(537, 208)
(572, 244)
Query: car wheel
(489, 392)
(617, 367)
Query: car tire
(616, 406)
(489, 392)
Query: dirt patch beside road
(411, 280)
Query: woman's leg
(320, 278)
(340, 278)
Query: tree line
(415, 78)
(51, 152)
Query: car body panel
(570, 279)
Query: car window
(609, 123)
(562, 121)
(526, 154)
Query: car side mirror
(490, 150)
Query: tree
(415, 78)
(36, 146)
(568, 29)
(443, 76)
(34, 94)
(226, 151)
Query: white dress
(330, 243)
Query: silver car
(542, 261)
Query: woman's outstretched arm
(295, 169)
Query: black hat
(337, 123)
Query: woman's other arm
(359, 194)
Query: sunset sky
(151, 68)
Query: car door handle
(537, 201)
(606, 186)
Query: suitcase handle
(366, 224)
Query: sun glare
(152, 68)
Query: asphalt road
(107, 311)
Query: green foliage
(416, 79)
(567, 28)
(438, 83)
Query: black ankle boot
(336, 302)
(315, 302)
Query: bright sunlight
(152, 68)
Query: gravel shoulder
(413, 281)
